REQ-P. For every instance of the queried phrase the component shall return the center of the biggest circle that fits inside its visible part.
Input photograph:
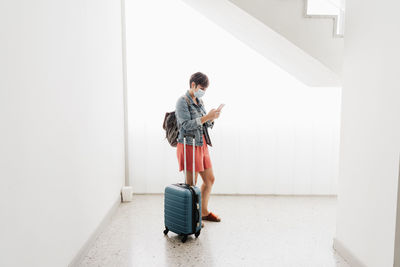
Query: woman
(193, 118)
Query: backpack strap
(187, 100)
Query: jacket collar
(190, 98)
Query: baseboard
(251, 195)
(85, 248)
(346, 254)
(274, 195)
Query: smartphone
(220, 107)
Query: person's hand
(213, 114)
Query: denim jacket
(189, 119)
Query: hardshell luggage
(182, 204)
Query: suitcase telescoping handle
(184, 155)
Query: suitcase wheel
(184, 238)
(166, 231)
(197, 234)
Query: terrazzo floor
(255, 231)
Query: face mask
(199, 93)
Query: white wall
(370, 132)
(275, 135)
(61, 126)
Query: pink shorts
(202, 159)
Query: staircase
(285, 32)
(298, 22)
(327, 9)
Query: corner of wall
(346, 254)
(106, 220)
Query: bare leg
(208, 180)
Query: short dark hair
(199, 79)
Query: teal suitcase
(182, 206)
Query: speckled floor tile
(254, 231)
